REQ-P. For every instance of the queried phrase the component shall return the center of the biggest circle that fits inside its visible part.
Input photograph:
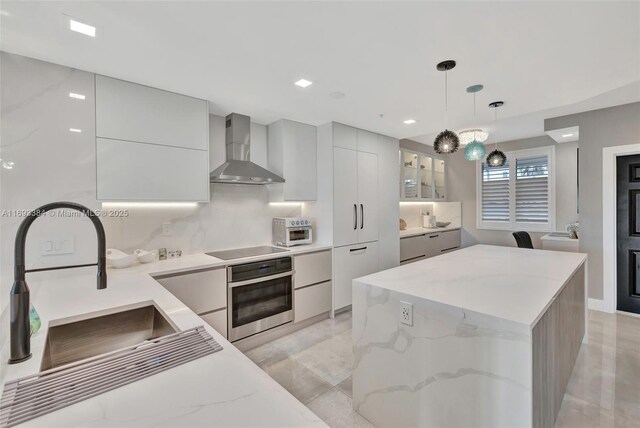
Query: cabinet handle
(355, 217)
(357, 249)
(433, 236)
(361, 216)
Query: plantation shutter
(532, 190)
(495, 193)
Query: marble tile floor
(314, 364)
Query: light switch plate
(54, 246)
(406, 313)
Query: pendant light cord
(495, 124)
(446, 100)
(474, 116)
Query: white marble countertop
(415, 231)
(222, 389)
(514, 284)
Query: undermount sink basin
(74, 341)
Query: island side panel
(451, 368)
(557, 337)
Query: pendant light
(496, 157)
(446, 141)
(475, 149)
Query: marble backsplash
(444, 211)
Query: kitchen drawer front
(201, 291)
(406, 262)
(450, 240)
(311, 301)
(128, 171)
(412, 247)
(351, 262)
(132, 112)
(217, 320)
(433, 244)
(312, 268)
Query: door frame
(609, 223)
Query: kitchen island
(494, 335)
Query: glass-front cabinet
(422, 177)
(409, 168)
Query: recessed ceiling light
(76, 96)
(79, 27)
(75, 130)
(303, 83)
(567, 135)
(409, 121)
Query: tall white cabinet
(363, 214)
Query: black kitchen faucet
(19, 305)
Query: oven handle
(261, 279)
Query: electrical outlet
(406, 313)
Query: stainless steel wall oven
(260, 296)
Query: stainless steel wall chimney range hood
(238, 168)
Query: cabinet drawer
(412, 247)
(433, 244)
(132, 112)
(450, 240)
(312, 301)
(201, 291)
(351, 262)
(312, 268)
(217, 320)
(129, 171)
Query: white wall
(614, 126)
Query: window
(519, 195)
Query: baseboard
(596, 305)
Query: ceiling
(543, 59)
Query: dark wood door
(628, 233)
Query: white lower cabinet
(351, 262)
(414, 248)
(204, 292)
(450, 240)
(217, 320)
(312, 285)
(311, 301)
(312, 268)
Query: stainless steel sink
(89, 355)
(77, 340)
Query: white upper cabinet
(128, 171)
(132, 112)
(292, 154)
(345, 136)
(367, 141)
(151, 145)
